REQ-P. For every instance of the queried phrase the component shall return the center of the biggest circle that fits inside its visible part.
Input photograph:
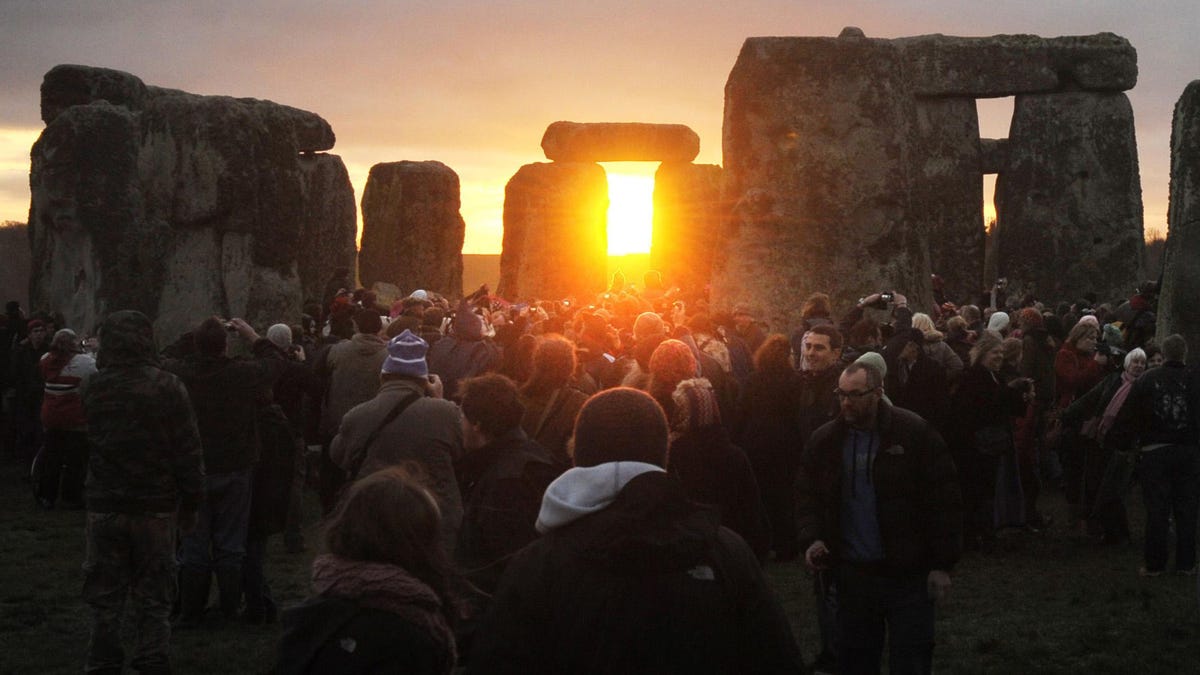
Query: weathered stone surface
(71, 85)
(1006, 65)
(412, 230)
(688, 216)
(1179, 301)
(179, 206)
(555, 242)
(947, 195)
(1069, 204)
(818, 172)
(993, 154)
(620, 142)
(328, 222)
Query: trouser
(254, 579)
(1109, 509)
(870, 606)
(63, 459)
(130, 555)
(1171, 486)
(293, 536)
(977, 476)
(219, 538)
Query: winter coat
(714, 471)
(1074, 373)
(918, 501)
(1163, 407)
(428, 432)
(145, 448)
(768, 429)
(501, 486)
(550, 420)
(226, 394)
(351, 371)
(649, 583)
(62, 408)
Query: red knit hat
(672, 361)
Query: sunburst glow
(630, 207)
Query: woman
(937, 348)
(64, 454)
(984, 410)
(711, 468)
(766, 430)
(1108, 470)
(551, 402)
(1075, 372)
(382, 602)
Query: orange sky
(474, 85)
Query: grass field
(1044, 603)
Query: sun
(630, 207)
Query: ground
(1043, 603)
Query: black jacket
(1163, 407)
(918, 502)
(649, 584)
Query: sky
(474, 84)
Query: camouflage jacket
(145, 455)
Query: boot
(193, 598)
(229, 589)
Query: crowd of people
(595, 484)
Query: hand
(898, 299)
(187, 521)
(817, 556)
(434, 386)
(938, 585)
(243, 329)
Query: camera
(887, 296)
(1002, 282)
(229, 326)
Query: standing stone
(555, 241)
(1069, 204)
(948, 192)
(818, 174)
(687, 223)
(328, 222)
(412, 230)
(177, 205)
(1179, 300)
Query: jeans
(867, 604)
(130, 555)
(64, 459)
(219, 540)
(1171, 486)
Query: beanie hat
(695, 406)
(406, 356)
(874, 360)
(672, 361)
(620, 425)
(998, 321)
(280, 335)
(648, 324)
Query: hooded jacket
(145, 448)
(632, 577)
(351, 368)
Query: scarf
(1114, 405)
(389, 588)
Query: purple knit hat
(406, 356)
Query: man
(879, 508)
(29, 388)
(350, 372)
(501, 477)
(146, 479)
(1160, 417)
(747, 328)
(630, 576)
(915, 381)
(425, 433)
(226, 394)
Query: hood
(126, 339)
(585, 490)
(650, 528)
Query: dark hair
(1174, 348)
(210, 337)
(862, 330)
(553, 365)
(834, 335)
(491, 402)
(389, 517)
(817, 304)
(366, 320)
(620, 425)
(772, 355)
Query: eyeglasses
(852, 395)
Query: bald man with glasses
(879, 509)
